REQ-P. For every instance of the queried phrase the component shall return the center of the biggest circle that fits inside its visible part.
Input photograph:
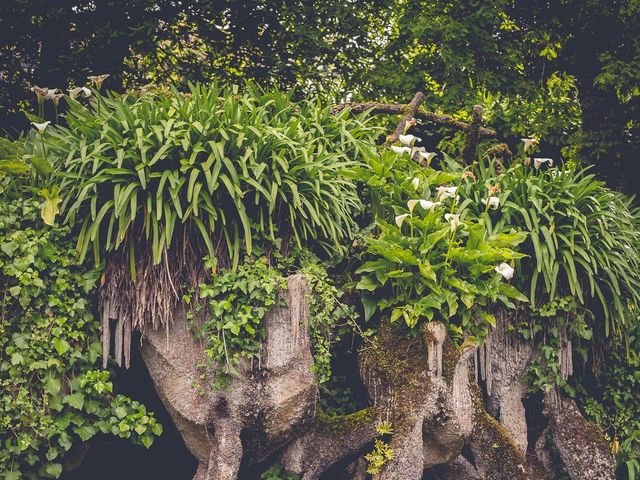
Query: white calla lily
(41, 93)
(400, 219)
(446, 192)
(411, 204)
(427, 156)
(401, 150)
(453, 219)
(494, 202)
(538, 162)
(505, 270)
(415, 183)
(428, 204)
(76, 91)
(41, 127)
(408, 140)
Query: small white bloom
(400, 219)
(494, 202)
(41, 93)
(41, 127)
(529, 142)
(446, 192)
(401, 150)
(411, 204)
(408, 140)
(453, 219)
(427, 156)
(51, 93)
(428, 204)
(537, 162)
(86, 92)
(74, 92)
(415, 183)
(505, 270)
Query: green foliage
(51, 394)
(237, 167)
(277, 472)
(616, 407)
(237, 302)
(382, 452)
(330, 318)
(437, 260)
(582, 238)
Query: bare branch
(377, 108)
(409, 113)
(473, 135)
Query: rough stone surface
(273, 401)
(583, 450)
(504, 361)
(423, 385)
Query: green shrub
(583, 238)
(51, 393)
(239, 167)
(430, 259)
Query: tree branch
(409, 114)
(377, 108)
(473, 135)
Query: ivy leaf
(61, 346)
(75, 400)
(16, 358)
(53, 470)
(52, 385)
(85, 432)
(147, 440)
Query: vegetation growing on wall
(260, 183)
(52, 393)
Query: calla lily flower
(494, 202)
(41, 93)
(56, 98)
(453, 219)
(411, 204)
(74, 92)
(537, 162)
(446, 192)
(428, 204)
(415, 183)
(529, 142)
(505, 270)
(408, 140)
(427, 156)
(51, 93)
(401, 150)
(98, 79)
(41, 127)
(400, 219)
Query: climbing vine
(52, 395)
